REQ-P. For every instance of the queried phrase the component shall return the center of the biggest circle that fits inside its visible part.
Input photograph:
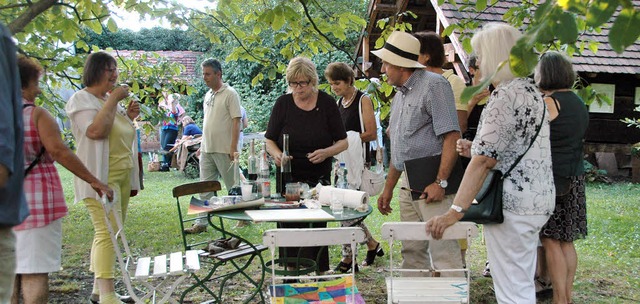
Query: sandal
(542, 285)
(371, 255)
(487, 271)
(345, 267)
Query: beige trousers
(427, 254)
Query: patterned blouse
(506, 128)
(42, 186)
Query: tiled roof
(604, 61)
(187, 58)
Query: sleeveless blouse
(42, 186)
(351, 120)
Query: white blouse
(507, 126)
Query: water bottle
(341, 182)
(264, 180)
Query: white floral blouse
(507, 126)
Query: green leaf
(481, 5)
(522, 59)
(593, 46)
(625, 30)
(111, 25)
(600, 11)
(566, 28)
(469, 92)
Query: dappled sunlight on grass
(609, 258)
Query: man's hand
(4, 176)
(384, 202)
(435, 193)
(437, 224)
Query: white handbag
(372, 182)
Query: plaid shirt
(42, 186)
(422, 111)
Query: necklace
(348, 102)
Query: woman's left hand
(318, 156)
(437, 224)
(102, 189)
(133, 109)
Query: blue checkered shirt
(422, 111)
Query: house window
(607, 89)
(637, 98)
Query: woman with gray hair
(513, 124)
(569, 120)
(316, 134)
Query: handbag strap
(364, 146)
(544, 110)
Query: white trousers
(511, 248)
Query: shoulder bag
(372, 182)
(487, 206)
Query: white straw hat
(401, 49)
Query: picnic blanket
(335, 291)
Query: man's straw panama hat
(401, 49)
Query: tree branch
(315, 27)
(18, 25)
(262, 61)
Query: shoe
(345, 267)
(371, 255)
(542, 285)
(228, 243)
(196, 229)
(487, 271)
(213, 249)
(95, 298)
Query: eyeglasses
(301, 84)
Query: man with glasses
(220, 132)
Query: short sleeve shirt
(457, 85)
(422, 111)
(507, 127)
(220, 108)
(308, 131)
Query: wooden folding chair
(148, 270)
(311, 237)
(426, 289)
(213, 262)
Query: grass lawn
(608, 270)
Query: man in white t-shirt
(220, 131)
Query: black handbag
(487, 206)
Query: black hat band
(393, 49)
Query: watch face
(443, 184)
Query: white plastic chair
(312, 237)
(426, 289)
(149, 270)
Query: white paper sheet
(289, 215)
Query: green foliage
(154, 39)
(554, 25)
(593, 174)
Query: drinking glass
(337, 200)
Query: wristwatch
(457, 208)
(442, 183)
